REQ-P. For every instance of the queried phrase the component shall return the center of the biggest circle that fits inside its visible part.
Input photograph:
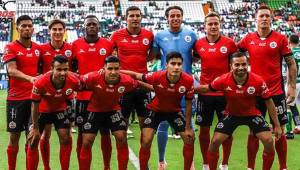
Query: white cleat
(205, 167)
(249, 169)
(129, 131)
(192, 166)
(223, 167)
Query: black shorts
(175, 119)
(135, 101)
(18, 114)
(59, 119)
(80, 111)
(71, 110)
(207, 106)
(281, 108)
(229, 123)
(95, 121)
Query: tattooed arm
(291, 82)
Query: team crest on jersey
(69, 91)
(251, 90)
(12, 125)
(223, 49)
(68, 53)
(188, 38)
(273, 44)
(182, 89)
(102, 51)
(145, 41)
(37, 52)
(121, 89)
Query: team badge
(181, 89)
(102, 51)
(273, 44)
(12, 125)
(188, 38)
(251, 90)
(220, 125)
(68, 53)
(69, 91)
(223, 49)
(37, 52)
(87, 126)
(121, 89)
(145, 41)
(147, 121)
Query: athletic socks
(64, 155)
(252, 148)
(213, 158)
(45, 153)
(268, 158)
(281, 149)
(162, 139)
(85, 159)
(144, 156)
(12, 153)
(226, 150)
(123, 156)
(188, 154)
(32, 158)
(204, 140)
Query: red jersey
(90, 57)
(241, 99)
(106, 97)
(27, 62)
(48, 52)
(168, 96)
(52, 99)
(266, 56)
(133, 49)
(214, 59)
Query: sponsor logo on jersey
(145, 41)
(69, 91)
(251, 90)
(188, 38)
(92, 49)
(239, 91)
(121, 89)
(102, 51)
(134, 41)
(212, 50)
(68, 53)
(262, 44)
(37, 52)
(273, 44)
(182, 89)
(223, 49)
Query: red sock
(213, 158)
(204, 140)
(78, 146)
(45, 152)
(32, 158)
(268, 159)
(123, 156)
(144, 157)
(106, 150)
(188, 154)
(85, 159)
(252, 148)
(64, 155)
(26, 148)
(12, 153)
(281, 149)
(226, 150)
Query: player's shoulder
(144, 31)
(43, 79)
(119, 32)
(67, 45)
(79, 40)
(12, 45)
(255, 77)
(226, 39)
(125, 79)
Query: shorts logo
(79, 119)
(179, 122)
(220, 125)
(122, 123)
(87, 126)
(251, 90)
(223, 49)
(121, 89)
(145, 41)
(181, 89)
(102, 51)
(67, 121)
(199, 118)
(147, 121)
(68, 53)
(188, 38)
(12, 125)
(273, 44)
(37, 52)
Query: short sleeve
(37, 91)
(242, 45)
(190, 93)
(264, 90)
(285, 50)
(9, 54)
(217, 84)
(113, 39)
(149, 78)
(88, 80)
(233, 47)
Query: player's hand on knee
(190, 135)
(34, 137)
(277, 132)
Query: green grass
(237, 161)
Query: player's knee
(146, 142)
(14, 139)
(267, 141)
(65, 140)
(121, 139)
(215, 142)
(87, 143)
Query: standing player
(104, 110)
(133, 44)
(267, 48)
(175, 38)
(49, 95)
(294, 45)
(89, 53)
(171, 84)
(214, 51)
(21, 58)
(56, 46)
(241, 89)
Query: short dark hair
(238, 55)
(91, 16)
(59, 58)
(263, 7)
(172, 55)
(23, 18)
(173, 7)
(212, 14)
(56, 21)
(132, 8)
(294, 39)
(112, 59)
